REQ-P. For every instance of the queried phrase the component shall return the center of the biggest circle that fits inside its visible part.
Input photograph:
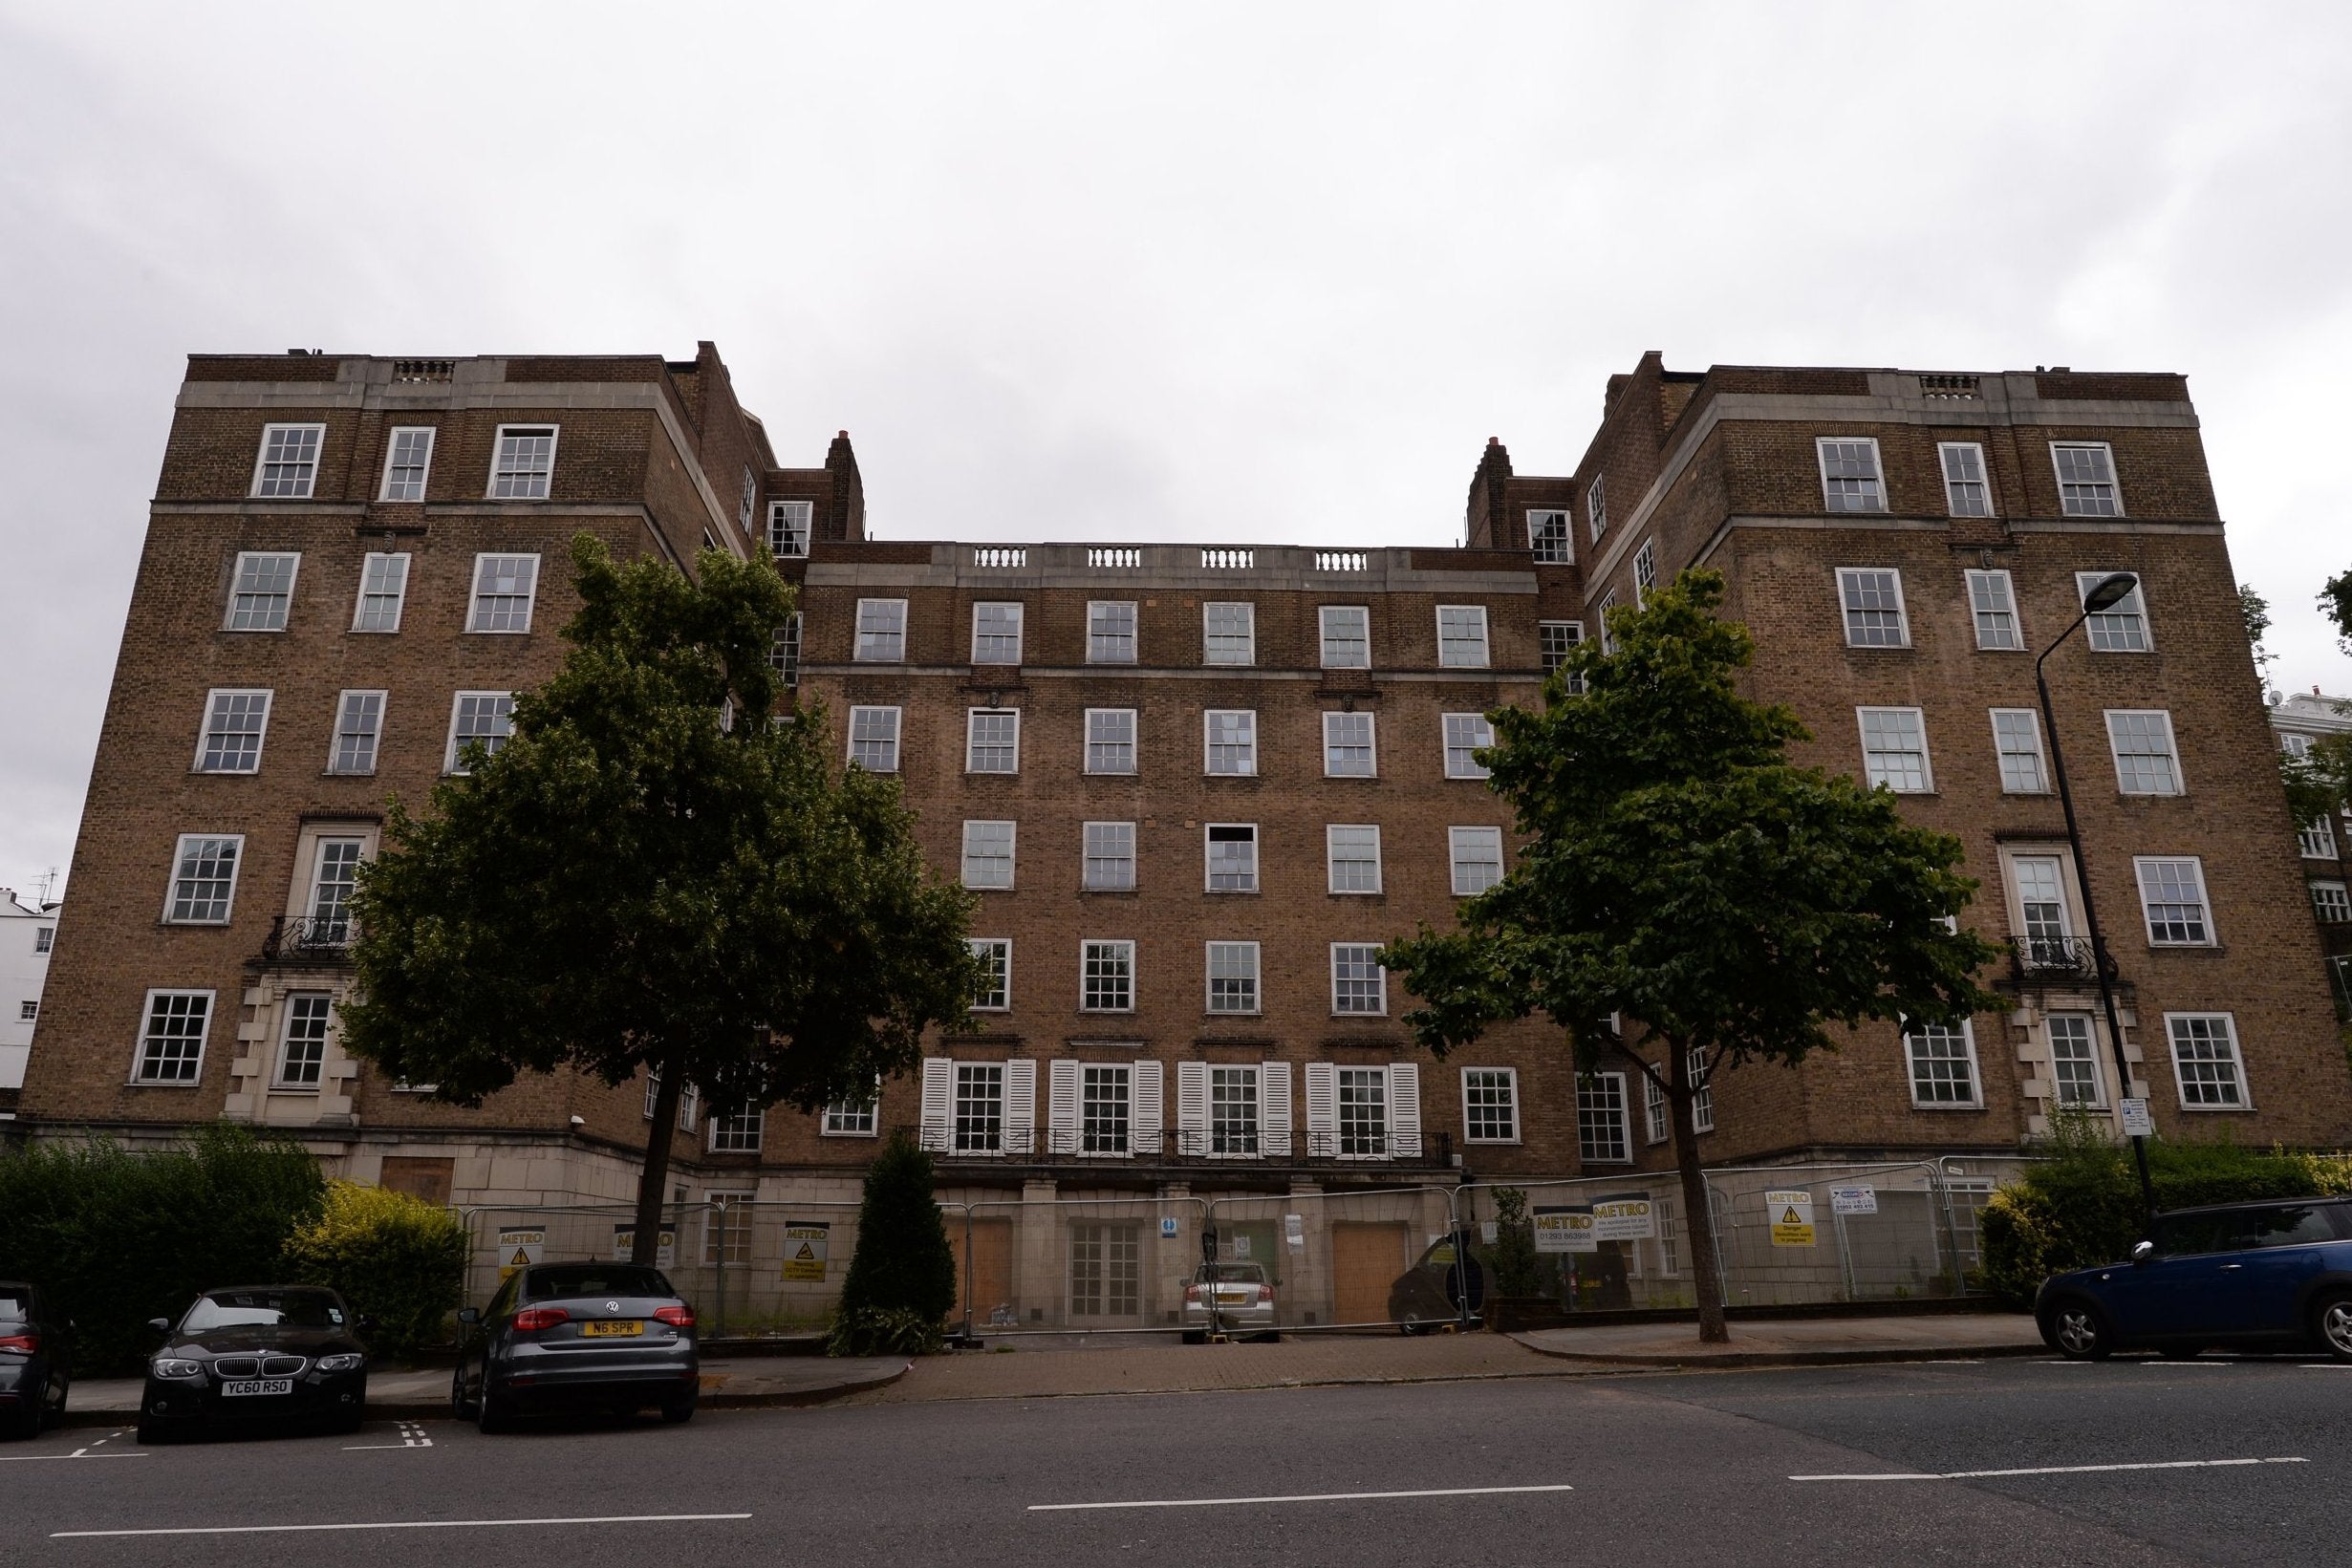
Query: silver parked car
(1243, 1299)
(568, 1335)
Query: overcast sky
(1220, 272)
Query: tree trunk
(645, 1247)
(1698, 1215)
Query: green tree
(1680, 874)
(2336, 599)
(658, 871)
(901, 1285)
(2256, 610)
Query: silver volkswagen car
(613, 1336)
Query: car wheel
(490, 1411)
(1413, 1326)
(2332, 1317)
(678, 1411)
(2079, 1332)
(459, 1408)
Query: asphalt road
(1715, 1469)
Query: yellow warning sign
(803, 1249)
(519, 1250)
(1792, 1218)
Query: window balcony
(1050, 1146)
(2040, 960)
(309, 939)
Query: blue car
(2275, 1275)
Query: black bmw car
(615, 1335)
(256, 1353)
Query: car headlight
(340, 1363)
(172, 1366)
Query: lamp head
(2109, 591)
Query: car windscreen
(263, 1309)
(570, 1280)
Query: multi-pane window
(1943, 1058)
(504, 588)
(288, 466)
(1106, 1271)
(1655, 1122)
(1461, 636)
(1105, 1106)
(1849, 475)
(1608, 638)
(1477, 855)
(486, 718)
(1490, 1104)
(1993, 600)
(1229, 634)
(737, 1134)
(987, 854)
(1549, 537)
(335, 877)
(1873, 599)
(1352, 857)
(302, 1050)
(1363, 1106)
(1231, 741)
(1596, 506)
(1894, 749)
(1601, 1135)
(44, 938)
(1232, 855)
(2041, 903)
(406, 461)
(2316, 839)
(383, 588)
(727, 1231)
(1703, 1090)
(1233, 1110)
(235, 722)
(203, 882)
(2074, 1059)
(2087, 479)
(851, 1118)
(1111, 741)
(789, 525)
(1466, 735)
(995, 632)
(881, 631)
(1645, 573)
(1348, 749)
(1232, 976)
(1109, 856)
(264, 591)
(2205, 1061)
(2173, 895)
(995, 987)
(1110, 631)
(992, 740)
(2122, 628)
(171, 1044)
(750, 500)
(784, 652)
(1358, 983)
(525, 463)
(1554, 641)
(980, 1107)
(2144, 762)
(359, 725)
(1347, 630)
(874, 738)
(2017, 743)
(2330, 903)
(1107, 977)
(1967, 492)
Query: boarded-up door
(992, 1269)
(419, 1177)
(1366, 1260)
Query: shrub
(1512, 1259)
(902, 1264)
(397, 1259)
(119, 1237)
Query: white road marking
(2327, 1365)
(411, 1435)
(1295, 1498)
(2047, 1470)
(390, 1524)
(77, 1453)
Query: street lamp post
(2104, 594)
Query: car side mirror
(469, 1315)
(161, 1325)
(2142, 1253)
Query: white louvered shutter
(1020, 1106)
(1192, 1107)
(939, 1104)
(1145, 1109)
(1061, 1107)
(1321, 1109)
(1404, 1111)
(1274, 1109)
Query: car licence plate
(258, 1385)
(598, 1329)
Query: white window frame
(1927, 764)
(1850, 575)
(1448, 647)
(2090, 1039)
(1372, 733)
(179, 860)
(282, 1081)
(2140, 867)
(784, 652)
(1657, 1116)
(2315, 839)
(1966, 1029)
(853, 1118)
(1645, 573)
(423, 465)
(1509, 1085)
(1132, 635)
(2335, 911)
(2133, 603)
(1331, 859)
(1324, 638)
(971, 739)
(1455, 860)
(1558, 549)
(956, 1099)
(1133, 743)
(742, 1132)
(315, 462)
(1596, 507)
(1570, 636)
(456, 700)
(790, 523)
(2003, 752)
(1256, 978)
(1994, 577)
(1599, 613)
(1020, 627)
(1249, 633)
(399, 597)
(474, 613)
(141, 1077)
(1012, 854)
(500, 473)
(860, 632)
(998, 952)
(2114, 483)
(1470, 769)
(2171, 753)
(1702, 1092)
(1086, 857)
(1123, 945)
(261, 736)
(2237, 1060)
(896, 738)
(1585, 1083)
(1982, 480)
(1208, 858)
(1380, 981)
(376, 736)
(236, 580)
(1877, 478)
(1208, 767)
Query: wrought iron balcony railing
(314, 936)
(1055, 1144)
(2055, 958)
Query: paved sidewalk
(749, 1381)
(1796, 1341)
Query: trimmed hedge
(901, 1285)
(2082, 1206)
(395, 1257)
(118, 1237)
